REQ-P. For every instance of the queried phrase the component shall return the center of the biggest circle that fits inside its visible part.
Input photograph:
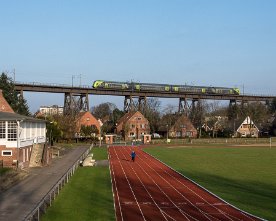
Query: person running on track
(133, 155)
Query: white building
(51, 110)
(22, 138)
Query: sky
(198, 42)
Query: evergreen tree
(17, 103)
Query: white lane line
(209, 217)
(186, 215)
(161, 211)
(115, 185)
(221, 212)
(130, 185)
(229, 216)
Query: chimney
(4, 105)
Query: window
(133, 126)
(6, 153)
(139, 118)
(2, 129)
(131, 134)
(12, 131)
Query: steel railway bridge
(77, 96)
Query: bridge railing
(47, 200)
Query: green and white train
(149, 87)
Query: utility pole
(76, 76)
(73, 76)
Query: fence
(215, 141)
(47, 200)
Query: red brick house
(132, 126)
(182, 128)
(22, 138)
(86, 119)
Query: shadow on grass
(256, 198)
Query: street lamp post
(100, 131)
(50, 136)
(167, 132)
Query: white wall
(29, 133)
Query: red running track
(149, 190)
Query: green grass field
(87, 196)
(244, 176)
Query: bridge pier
(232, 103)
(75, 103)
(183, 107)
(189, 107)
(142, 104)
(128, 104)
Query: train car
(222, 90)
(110, 85)
(152, 87)
(135, 86)
(187, 89)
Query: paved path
(18, 201)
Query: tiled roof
(126, 117)
(17, 117)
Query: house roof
(186, 121)
(177, 121)
(172, 118)
(17, 117)
(5, 107)
(126, 117)
(247, 120)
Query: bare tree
(103, 110)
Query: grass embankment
(4, 170)
(87, 196)
(244, 177)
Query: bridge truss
(76, 98)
